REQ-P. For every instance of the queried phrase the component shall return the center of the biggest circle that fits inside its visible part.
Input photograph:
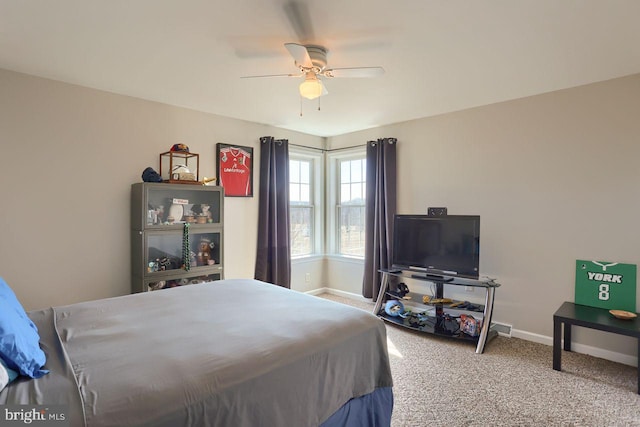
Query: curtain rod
(332, 149)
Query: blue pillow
(6, 375)
(19, 339)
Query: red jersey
(235, 171)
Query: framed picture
(234, 165)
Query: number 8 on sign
(603, 292)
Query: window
(348, 174)
(351, 207)
(304, 197)
(301, 209)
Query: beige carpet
(441, 382)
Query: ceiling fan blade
(354, 72)
(300, 54)
(298, 15)
(324, 90)
(271, 75)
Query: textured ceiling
(439, 56)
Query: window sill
(306, 258)
(345, 258)
(335, 257)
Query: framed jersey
(234, 164)
(609, 285)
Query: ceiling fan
(311, 61)
(310, 58)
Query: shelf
(194, 226)
(443, 278)
(179, 272)
(460, 336)
(163, 247)
(434, 311)
(416, 299)
(184, 279)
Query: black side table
(589, 317)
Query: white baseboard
(613, 356)
(339, 293)
(318, 291)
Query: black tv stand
(439, 309)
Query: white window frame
(315, 158)
(333, 191)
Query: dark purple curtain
(273, 258)
(380, 207)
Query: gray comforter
(227, 353)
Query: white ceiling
(439, 56)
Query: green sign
(609, 285)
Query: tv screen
(440, 245)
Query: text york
(601, 277)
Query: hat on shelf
(181, 148)
(150, 175)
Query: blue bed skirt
(371, 410)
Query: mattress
(232, 352)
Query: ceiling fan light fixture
(311, 88)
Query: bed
(227, 353)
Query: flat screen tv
(448, 245)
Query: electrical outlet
(307, 277)
(468, 288)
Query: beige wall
(554, 178)
(68, 158)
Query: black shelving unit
(438, 313)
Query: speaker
(437, 211)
